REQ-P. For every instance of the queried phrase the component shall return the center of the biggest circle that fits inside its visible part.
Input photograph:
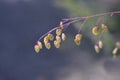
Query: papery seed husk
(37, 48)
(100, 43)
(58, 32)
(63, 36)
(77, 41)
(46, 39)
(39, 44)
(50, 36)
(104, 27)
(95, 30)
(97, 49)
(61, 25)
(56, 44)
(58, 39)
(48, 45)
(115, 50)
(78, 36)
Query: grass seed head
(56, 44)
(58, 32)
(77, 41)
(78, 36)
(97, 49)
(51, 37)
(46, 39)
(37, 48)
(100, 43)
(48, 45)
(115, 50)
(96, 30)
(58, 39)
(63, 36)
(39, 44)
(104, 27)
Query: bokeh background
(22, 22)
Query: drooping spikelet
(100, 44)
(58, 39)
(48, 45)
(78, 36)
(56, 44)
(37, 48)
(97, 49)
(115, 50)
(39, 44)
(58, 32)
(46, 39)
(77, 41)
(50, 37)
(104, 27)
(96, 30)
(63, 36)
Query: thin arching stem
(48, 33)
(68, 21)
(81, 26)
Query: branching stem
(68, 21)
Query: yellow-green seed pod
(115, 50)
(97, 48)
(118, 45)
(51, 37)
(58, 39)
(104, 27)
(95, 30)
(48, 45)
(56, 44)
(63, 36)
(37, 48)
(58, 32)
(77, 41)
(61, 25)
(100, 44)
(46, 39)
(78, 36)
(39, 44)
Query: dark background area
(22, 23)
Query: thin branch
(68, 21)
(48, 33)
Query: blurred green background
(77, 8)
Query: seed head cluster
(98, 31)
(59, 36)
(78, 38)
(116, 49)
(49, 38)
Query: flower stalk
(65, 23)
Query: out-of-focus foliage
(77, 8)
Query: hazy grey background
(21, 24)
